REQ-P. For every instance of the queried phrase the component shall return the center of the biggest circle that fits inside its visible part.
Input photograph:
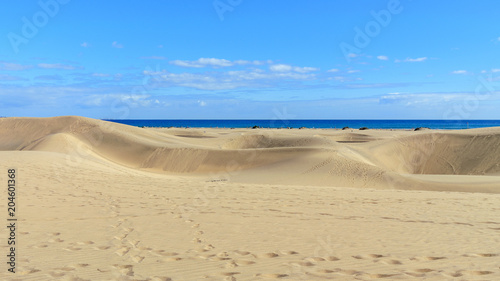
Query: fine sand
(103, 201)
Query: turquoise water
(326, 124)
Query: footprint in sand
(487, 255)
(325, 271)
(85, 243)
(71, 248)
(223, 255)
(424, 270)
(134, 243)
(125, 269)
(478, 272)
(393, 262)
(58, 240)
(289, 252)
(168, 259)
(206, 257)
(376, 276)
(208, 247)
(304, 263)
(229, 273)
(166, 254)
(431, 258)
(268, 255)
(28, 271)
(138, 259)
(122, 251)
(158, 278)
(231, 264)
(242, 253)
(455, 274)
(370, 256)
(271, 275)
(121, 236)
(315, 259)
(413, 274)
(215, 258)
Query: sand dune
(375, 159)
(104, 201)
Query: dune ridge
(373, 158)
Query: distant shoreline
(311, 124)
(249, 128)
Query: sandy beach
(103, 201)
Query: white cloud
(416, 60)
(304, 69)
(116, 45)
(254, 62)
(85, 45)
(202, 103)
(214, 62)
(56, 66)
(352, 55)
(288, 68)
(495, 70)
(203, 62)
(382, 57)
(14, 66)
(353, 71)
(243, 62)
(280, 67)
(226, 80)
(459, 72)
(333, 70)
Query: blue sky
(242, 59)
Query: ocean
(324, 124)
